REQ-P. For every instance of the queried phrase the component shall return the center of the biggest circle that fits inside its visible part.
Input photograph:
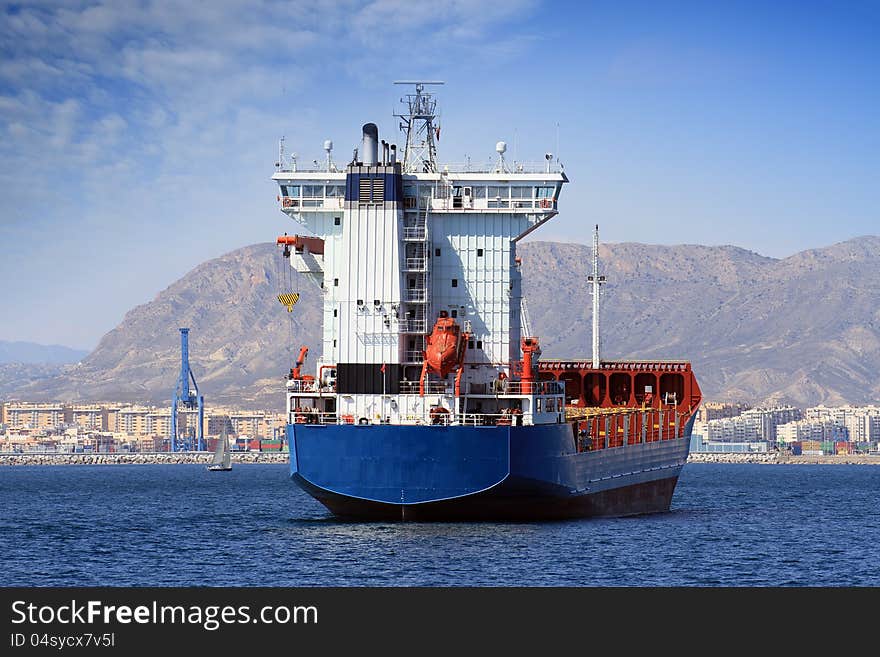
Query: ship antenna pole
(596, 280)
(420, 152)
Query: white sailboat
(222, 460)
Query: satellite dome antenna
(328, 148)
(501, 148)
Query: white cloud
(152, 127)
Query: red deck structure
(626, 402)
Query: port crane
(186, 397)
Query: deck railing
(435, 418)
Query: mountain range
(31, 352)
(802, 330)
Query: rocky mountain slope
(241, 339)
(803, 330)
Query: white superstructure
(400, 248)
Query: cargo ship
(429, 400)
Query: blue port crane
(187, 398)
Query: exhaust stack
(370, 144)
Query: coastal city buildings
(108, 427)
(30, 426)
(841, 429)
(751, 425)
(816, 430)
(713, 410)
(862, 423)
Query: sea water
(180, 525)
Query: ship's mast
(420, 155)
(596, 280)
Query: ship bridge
(303, 194)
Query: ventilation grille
(364, 191)
(371, 190)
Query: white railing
(412, 356)
(416, 264)
(436, 418)
(508, 387)
(415, 295)
(414, 326)
(544, 204)
(415, 233)
(431, 388)
(311, 416)
(298, 385)
(331, 203)
(492, 167)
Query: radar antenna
(280, 163)
(420, 155)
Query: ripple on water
(177, 525)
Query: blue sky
(138, 138)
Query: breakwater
(774, 458)
(170, 458)
(143, 458)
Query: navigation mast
(596, 280)
(420, 154)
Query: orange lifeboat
(443, 346)
(444, 350)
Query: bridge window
(520, 192)
(544, 192)
(313, 191)
(290, 190)
(479, 192)
(499, 192)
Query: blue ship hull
(404, 472)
